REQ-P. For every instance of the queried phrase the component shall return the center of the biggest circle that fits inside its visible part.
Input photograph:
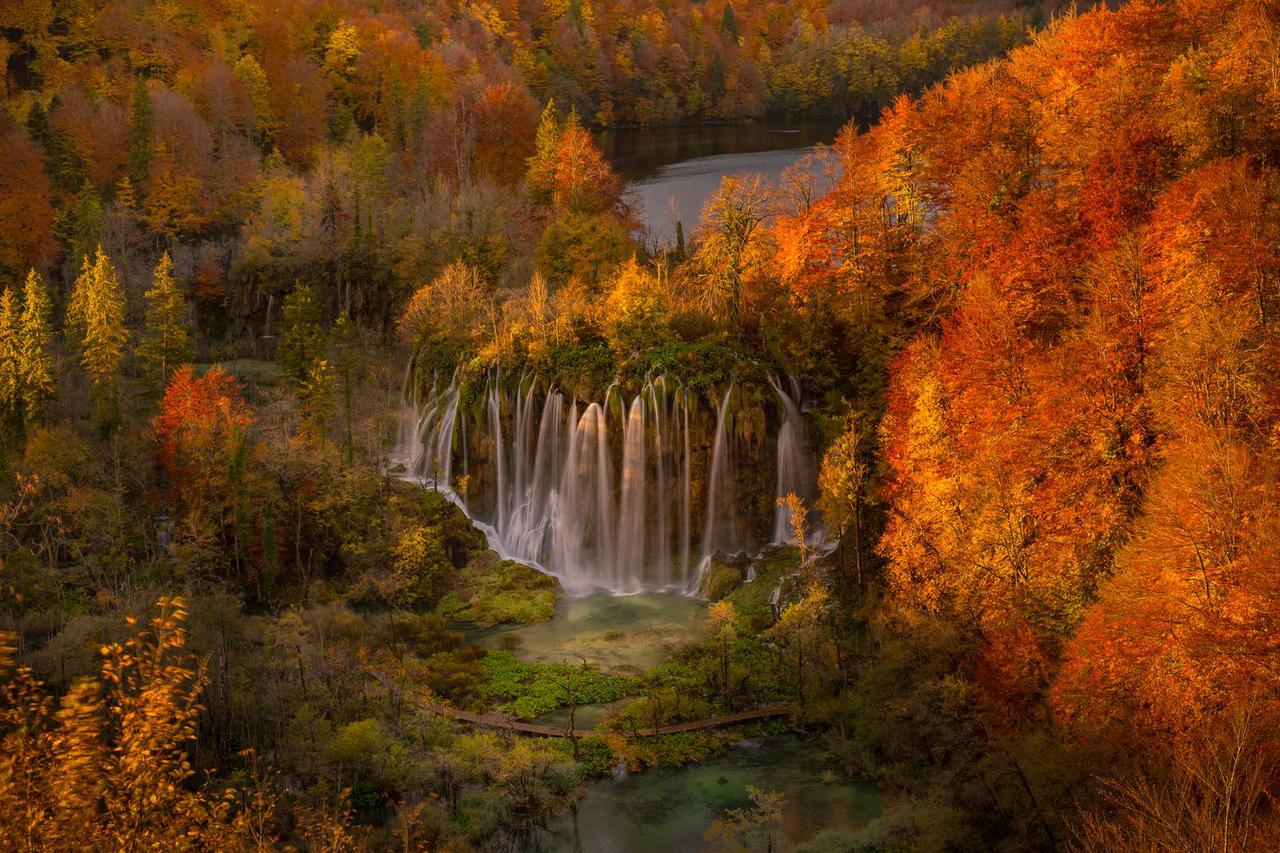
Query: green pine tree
(346, 362)
(140, 129)
(542, 165)
(576, 14)
(729, 22)
(167, 342)
(301, 336)
(39, 130)
(64, 165)
(79, 224)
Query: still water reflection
(674, 170)
(669, 809)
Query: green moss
(697, 365)
(529, 690)
(721, 580)
(583, 367)
(751, 600)
(500, 592)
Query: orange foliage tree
(26, 206)
(106, 766)
(505, 117)
(203, 424)
(1186, 628)
(1083, 237)
(583, 180)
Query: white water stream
(558, 496)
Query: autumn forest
(373, 476)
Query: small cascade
(796, 474)
(717, 532)
(266, 328)
(625, 494)
(775, 597)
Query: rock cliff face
(634, 490)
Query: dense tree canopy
(1033, 309)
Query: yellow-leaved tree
(96, 327)
(105, 768)
(722, 627)
(10, 333)
(26, 366)
(35, 361)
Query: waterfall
(685, 527)
(631, 514)
(582, 526)
(796, 474)
(718, 481)
(600, 494)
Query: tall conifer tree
(95, 319)
(167, 343)
(10, 332)
(35, 361)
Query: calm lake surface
(668, 809)
(672, 171)
(616, 633)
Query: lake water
(625, 634)
(673, 171)
(668, 809)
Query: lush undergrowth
(529, 690)
(490, 591)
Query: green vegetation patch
(500, 592)
(250, 371)
(582, 366)
(721, 579)
(528, 690)
(679, 749)
(595, 756)
(402, 548)
(751, 600)
(698, 364)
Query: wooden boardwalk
(505, 722)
